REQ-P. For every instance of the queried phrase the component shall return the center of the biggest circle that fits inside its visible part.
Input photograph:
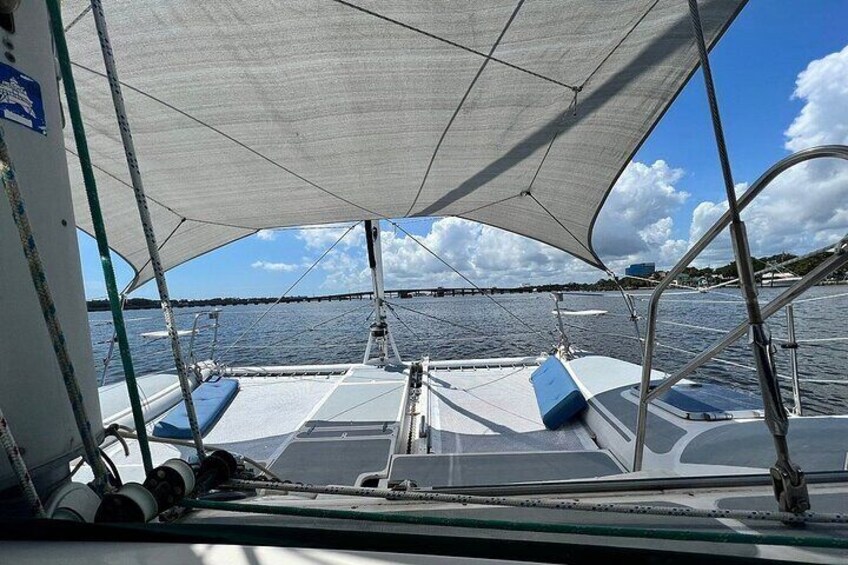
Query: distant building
(640, 270)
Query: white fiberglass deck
(493, 409)
(474, 408)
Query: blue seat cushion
(211, 400)
(557, 395)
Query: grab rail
(646, 394)
(213, 315)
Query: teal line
(99, 229)
(546, 528)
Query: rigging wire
(290, 288)
(488, 57)
(472, 329)
(547, 503)
(404, 324)
(469, 281)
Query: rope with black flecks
(13, 452)
(48, 311)
(548, 503)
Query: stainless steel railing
(838, 260)
(213, 316)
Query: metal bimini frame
(788, 479)
(838, 260)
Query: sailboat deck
(493, 409)
(332, 426)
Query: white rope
(16, 460)
(146, 221)
(548, 503)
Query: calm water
(475, 327)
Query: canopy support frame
(788, 479)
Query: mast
(380, 335)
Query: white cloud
(266, 235)
(323, 236)
(823, 86)
(806, 206)
(636, 222)
(274, 267)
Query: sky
(781, 73)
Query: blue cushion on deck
(557, 395)
(211, 399)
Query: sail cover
(256, 114)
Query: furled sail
(248, 115)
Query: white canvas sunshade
(258, 114)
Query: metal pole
(792, 346)
(146, 222)
(115, 300)
(822, 271)
(789, 484)
(824, 151)
(379, 329)
(564, 344)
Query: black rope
(568, 231)
(160, 247)
(404, 324)
(490, 204)
(76, 20)
(474, 330)
(459, 106)
(617, 45)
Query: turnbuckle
(790, 487)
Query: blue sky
(672, 189)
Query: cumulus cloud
(805, 207)
(274, 267)
(636, 222)
(323, 236)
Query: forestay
(252, 115)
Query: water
(477, 327)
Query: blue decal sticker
(20, 99)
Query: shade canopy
(258, 114)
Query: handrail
(645, 395)
(213, 314)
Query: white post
(792, 345)
(380, 335)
